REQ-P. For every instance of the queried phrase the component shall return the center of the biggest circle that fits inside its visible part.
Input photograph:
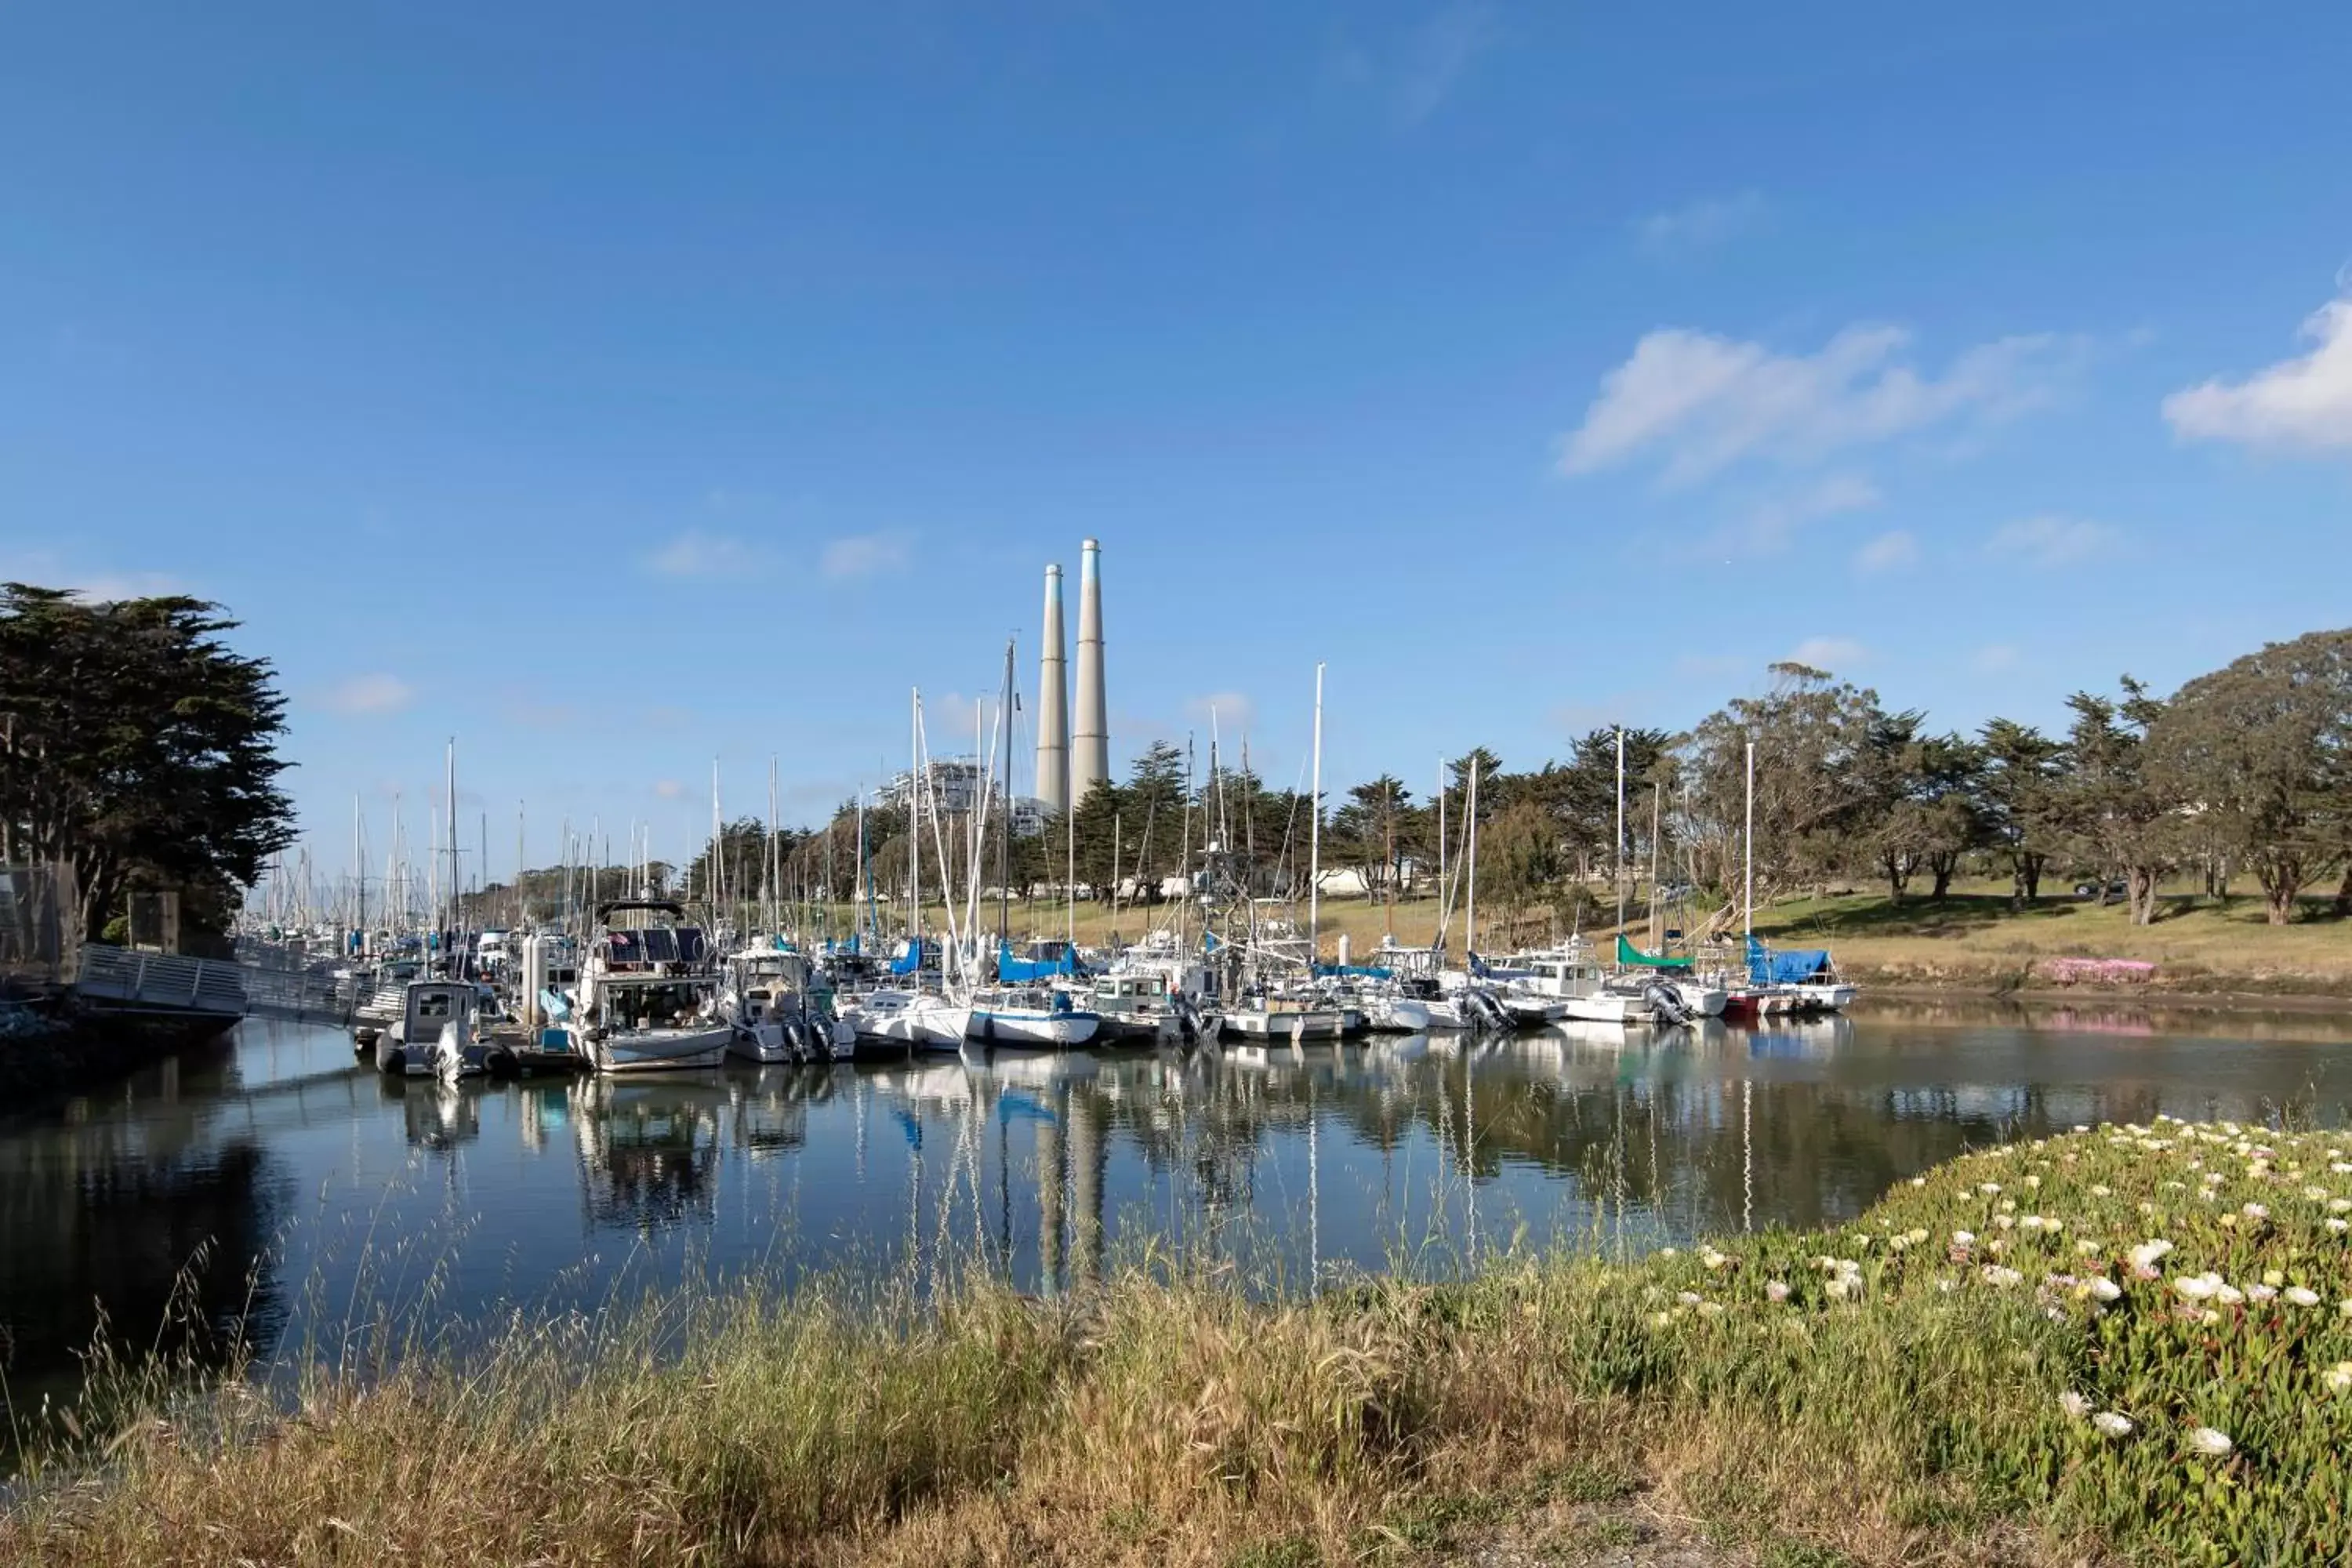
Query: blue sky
(613, 389)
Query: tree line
(2242, 774)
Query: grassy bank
(2121, 1343)
(1976, 940)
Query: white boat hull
(1605, 1007)
(1830, 997)
(1699, 999)
(1258, 1024)
(1027, 1027)
(656, 1050)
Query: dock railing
(132, 980)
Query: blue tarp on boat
(909, 958)
(1352, 972)
(1786, 967)
(1014, 971)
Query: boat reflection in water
(1277, 1163)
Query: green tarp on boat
(1633, 957)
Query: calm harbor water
(271, 1183)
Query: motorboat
(1808, 976)
(1144, 1005)
(778, 1013)
(434, 1035)
(648, 997)
(1287, 1017)
(1571, 979)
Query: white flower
(2103, 1191)
(2105, 1289)
(1776, 1290)
(2256, 1211)
(1669, 1252)
(1689, 1298)
(1999, 1277)
(2338, 1377)
(2087, 1248)
(2198, 1287)
(1988, 1188)
(2229, 1295)
(2340, 1206)
(2004, 1221)
(2075, 1405)
(1919, 1181)
(1963, 1239)
(2147, 1253)
(2302, 1296)
(2316, 1195)
(2255, 1293)
(2111, 1425)
(2339, 1226)
(2209, 1442)
(2273, 1277)
(2341, 1168)
(1710, 1309)
(1711, 1257)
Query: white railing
(157, 982)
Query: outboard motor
(1665, 1004)
(796, 1040)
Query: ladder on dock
(122, 980)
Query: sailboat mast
(450, 764)
(1004, 830)
(914, 825)
(1444, 888)
(1315, 838)
(1657, 800)
(1620, 832)
(1747, 845)
(1470, 923)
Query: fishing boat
(648, 997)
(434, 1036)
(1146, 1004)
(778, 1012)
(1287, 1016)
(1576, 984)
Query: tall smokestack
(1053, 704)
(1090, 747)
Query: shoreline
(2040, 1354)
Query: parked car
(2119, 888)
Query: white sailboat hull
(1605, 1007)
(1027, 1027)
(1311, 1024)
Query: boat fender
(501, 1063)
(396, 1060)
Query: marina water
(268, 1187)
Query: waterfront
(279, 1188)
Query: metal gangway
(125, 979)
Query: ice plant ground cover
(2127, 1343)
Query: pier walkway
(121, 980)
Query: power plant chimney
(1053, 704)
(1090, 746)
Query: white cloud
(376, 693)
(1698, 402)
(2297, 403)
(1419, 71)
(1828, 653)
(2052, 542)
(1234, 713)
(1436, 57)
(865, 555)
(1699, 226)
(1994, 658)
(43, 569)
(1895, 550)
(695, 553)
(1770, 527)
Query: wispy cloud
(374, 693)
(2051, 542)
(669, 789)
(1234, 713)
(2301, 404)
(1832, 654)
(1994, 658)
(1895, 551)
(1698, 226)
(1417, 72)
(1767, 530)
(865, 555)
(696, 554)
(1695, 402)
